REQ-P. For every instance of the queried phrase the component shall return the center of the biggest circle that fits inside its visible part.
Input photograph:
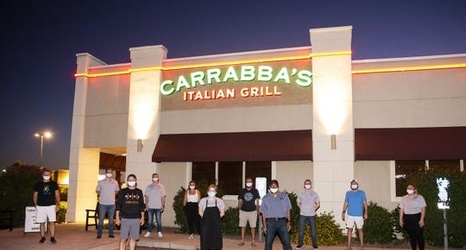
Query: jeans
(150, 219)
(302, 227)
(275, 227)
(110, 211)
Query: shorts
(44, 212)
(244, 217)
(351, 220)
(130, 227)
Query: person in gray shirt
(308, 202)
(106, 190)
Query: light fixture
(140, 145)
(333, 141)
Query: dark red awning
(441, 143)
(241, 146)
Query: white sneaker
(147, 234)
(191, 237)
(160, 234)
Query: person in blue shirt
(355, 211)
(276, 216)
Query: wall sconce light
(140, 145)
(333, 142)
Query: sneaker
(53, 240)
(147, 234)
(191, 237)
(160, 234)
(299, 247)
(42, 240)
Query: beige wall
(291, 174)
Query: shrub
(378, 227)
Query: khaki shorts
(244, 217)
(351, 220)
(44, 212)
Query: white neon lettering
(230, 74)
(282, 76)
(168, 91)
(247, 73)
(304, 78)
(264, 73)
(213, 74)
(197, 77)
(182, 83)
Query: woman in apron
(211, 210)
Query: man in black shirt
(130, 213)
(248, 204)
(46, 199)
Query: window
(230, 175)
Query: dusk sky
(40, 40)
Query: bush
(378, 227)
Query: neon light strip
(278, 59)
(409, 68)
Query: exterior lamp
(140, 145)
(42, 135)
(333, 141)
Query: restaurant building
(288, 114)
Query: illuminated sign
(190, 85)
(443, 198)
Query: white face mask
(249, 184)
(410, 191)
(155, 179)
(273, 190)
(46, 177)
(307, 186)
(108, 175)
(212, 193)
(354, 186)
(192, 187)
(131, 183)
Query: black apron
(211, 228)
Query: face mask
(155, 179)
(131, 183)
(410, 191)
(212, 193)
(354, 186)
(46, 177)
(192, 187)
(109, 175)
(274, 190)
(307, 186)
(248, 184)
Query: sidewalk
(72, 236)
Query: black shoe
(99, 236)
(42, 240)
(53, 240)
(299, 247)
(111, 236)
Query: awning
(241, 146)
(441, 143)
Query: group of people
(205, 214)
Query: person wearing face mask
(211, 210)
(248, 204)
(412, 214)
(130, 213)
(155, 204)
(276, 216)
(106, 190)
(190, 207)
(356, 205)
(308, 202)
(46, 198)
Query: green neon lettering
(230, 74)
(282, 75)
(182, 83)
(213, 74)
(247, 73)
(264, 73)
(304, 78)
(197, 77)
(164, 85)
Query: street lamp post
(42, 135)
